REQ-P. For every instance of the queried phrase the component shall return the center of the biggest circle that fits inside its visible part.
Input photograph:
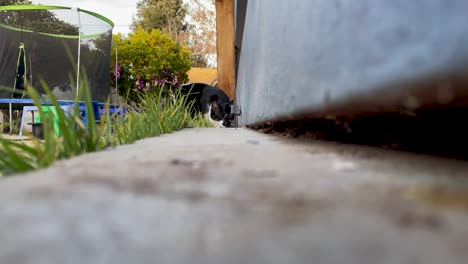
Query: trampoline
(61, 47)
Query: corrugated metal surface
(312, 56)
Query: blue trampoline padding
(16, 101)
(21, 102)
(97, 106)
(45, 101)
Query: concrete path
(237, 196)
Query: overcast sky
(119, 11)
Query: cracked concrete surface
(237, 196)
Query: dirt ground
(238, 196)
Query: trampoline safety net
(57, 45)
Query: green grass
(156, 115)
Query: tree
(147, 60)
(165, 15)
(192, 24)
(35, 20)
(14, 2)
(201, 36)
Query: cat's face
(221, 112)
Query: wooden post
(225, 46)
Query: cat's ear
(215, 105)
(216, 109)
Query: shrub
(148, 60)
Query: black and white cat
(209, 100)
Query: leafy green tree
(147, 60)
(35, 20)
(14, 2)
(165, 15)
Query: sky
(119, 11)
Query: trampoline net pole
(79, 55)
(116, 72)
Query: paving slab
(237, 196)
